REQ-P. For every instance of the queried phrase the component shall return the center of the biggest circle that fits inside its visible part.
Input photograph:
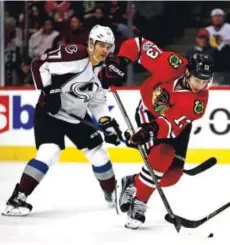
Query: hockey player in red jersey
(69, 84)
(171, 99)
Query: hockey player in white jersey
(69, 84)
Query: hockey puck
(210, 235)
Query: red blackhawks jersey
(172, 105)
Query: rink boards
(210, 136)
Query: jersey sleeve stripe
(169, 133)
(36, 65)
(138, 43)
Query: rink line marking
(119, 154)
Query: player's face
(197, 85)
(217, 20)
(75, 23)
(101, 50)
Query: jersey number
(180, 122)
(153, 52)
(55, 54)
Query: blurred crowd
(214, 40)
(51, 23)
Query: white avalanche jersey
(70, 69)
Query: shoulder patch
(198, 107)
(73, 52)
(70, 49)
(147, 45)
(174, 61)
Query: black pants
(48, 129)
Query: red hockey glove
(145, 133)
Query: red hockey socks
(143, 190)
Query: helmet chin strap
(94, 56)
(91, 50)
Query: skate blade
(133, 224)
(12, 211)
(117, 196)
(112, 203)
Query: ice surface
(69, 209)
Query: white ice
(69, 209)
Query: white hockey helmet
(102, 34)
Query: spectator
(24, 76)
(98, 17)
(34, 19)
(116, 10)
(202, 44)
(9, 29)
(76, 34)
(138, 22)
(89, 6)
(219, 31)
(43, 39)
(57, 42)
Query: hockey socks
(105, 176)
(33, 173)
(143, 191)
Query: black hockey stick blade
(201, 167)
(195, 223)
(176, 221)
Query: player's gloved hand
(114, 71)
(145, 133)
(128, 134)
(52, 99)
(112, 131)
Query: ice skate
(127, 192)
(136, 214)
(17, 205)
(110, 198)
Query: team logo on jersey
(70, 49)
(84, 90)
(198, 107)
(174, 61)
(160, 100)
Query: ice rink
(69, 209)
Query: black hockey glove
(112, 131)
(113, 72)
(145, 133)
(52, 99)
(128, 143)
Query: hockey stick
(201, 167)
(91, 125)
(195, 223)
(176, 220)
(82, 120)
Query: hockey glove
(52, 99)
(145, 133)
(128, 143)
(112, 131)
(114, 71)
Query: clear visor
(108, 47)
